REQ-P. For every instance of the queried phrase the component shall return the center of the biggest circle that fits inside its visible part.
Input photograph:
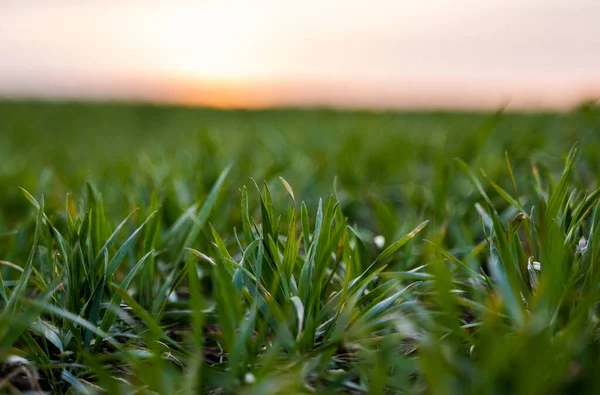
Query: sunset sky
(378, 53)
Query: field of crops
(173, 250)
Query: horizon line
(408, 94)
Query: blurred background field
(404, 158)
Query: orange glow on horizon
(410, 94)
(225, 96)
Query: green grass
(175, 250)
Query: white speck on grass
(173, 297)
(582, 245)
(531, 264)
(379, 241)
(249, 378)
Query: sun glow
(210, 44)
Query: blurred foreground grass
(140, 256)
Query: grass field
(169, 250)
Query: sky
(254, 53)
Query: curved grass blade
(120, 254)
(391, 249)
